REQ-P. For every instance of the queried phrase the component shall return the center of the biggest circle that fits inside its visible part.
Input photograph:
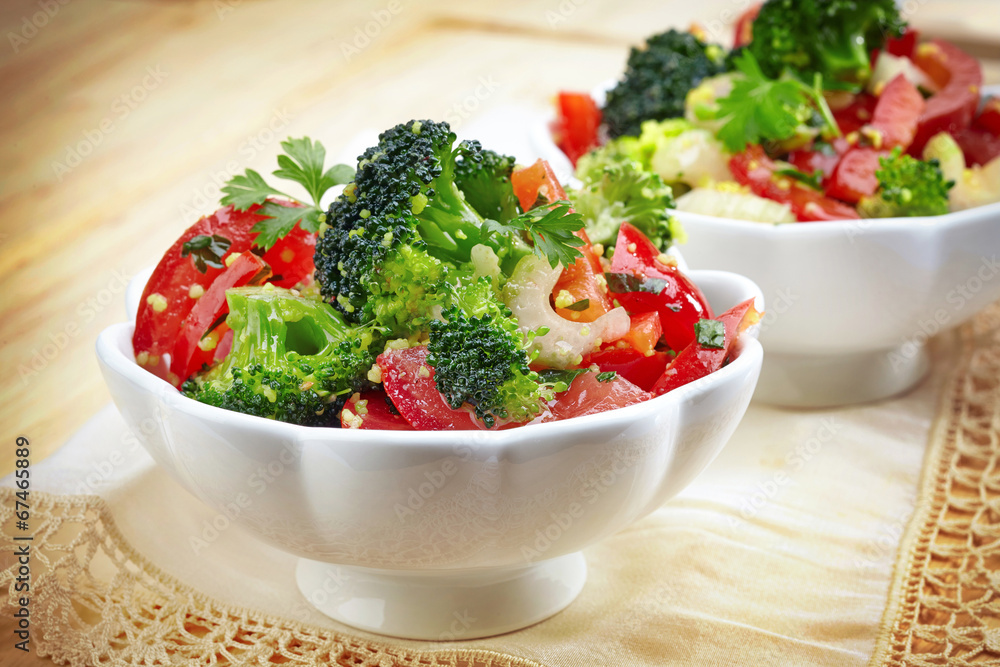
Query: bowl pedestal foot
(442, 605)
(820, 381)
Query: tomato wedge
(588, 396)
(954, 106)
(825, 160)
(854, 176)
(979, 145)
(537, 180)
(641, 370)
(644, 332)
(370, 411)
(187, 356)
(755, 169)
(854, 116)
(575, 128)
(894, 121)
(696, 361)
(989, 116)
(172, 290)
(903, 47)
(678, 301)
(409, 381)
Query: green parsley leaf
(760, 109)
(246, 190)
(302, 162)
(710, 334)
(550, 230)
(582, 304)
(607, 377)
(207, 251)
(281, 220)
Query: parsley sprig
(303, 163)
(760, 109)
(550, 229)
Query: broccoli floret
(657, 80)
(483, 176)
(615, 189)
(480, 357)
(293, 359)
(830, 37)
(907, 187)
(396, 232)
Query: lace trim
(94, 600)
(944, 603)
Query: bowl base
(823, 381)
(442, 605)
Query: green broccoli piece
(907, 187)
(833, 38)
(396, 234)
(657, 80)
(480, 357)
(293, 359)
(483, 176)
(615, 189)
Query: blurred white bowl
(851, 304)
(414, 533)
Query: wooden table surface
(120, 120)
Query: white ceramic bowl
(851, 304)
(415, 533)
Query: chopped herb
(302, 163)
(710, 334)
(207, 251)
(815, 181)
(582, 304)
(623, 283)
(560, 379)
(607, 377)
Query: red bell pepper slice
(854, 176)
(680, 303)
(576, 126)
(979, 145)
(370, 411)
(641, 370)
(989, 116)
(538, 179)
(696, 361)
(167, 298)
(743, 33)
(903, 47)
(894, 121)
(755, 169)
(953, 107)
(187, 357)
(854, 116)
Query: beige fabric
(945, 599)
(781, 553)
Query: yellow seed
(232, 258)
(350, 419)
(666, 260)
(306, 386)
(361, 407)
(157, 302)
(196, 291)
(424, 372)
(564, 299)
(142, 358)
(585, 330)
(598, 249)
(209, 342)
(630, 247)
(287, 255)
(375, 374)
